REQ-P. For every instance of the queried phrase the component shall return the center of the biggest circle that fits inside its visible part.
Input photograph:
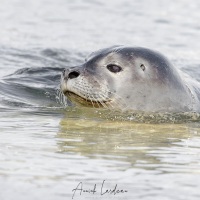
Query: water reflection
(167, 147)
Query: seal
(131, 78)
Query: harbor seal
(131, 78)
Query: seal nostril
(73, 74)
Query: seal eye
(142, 66)
(114, 68)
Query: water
(46, 150)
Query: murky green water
(46, 150)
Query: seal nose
(73, 74)
(70, 73)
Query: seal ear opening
(142, 66)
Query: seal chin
(77, 99)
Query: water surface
(46, 150)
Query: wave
(36, 81)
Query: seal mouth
(73, 97)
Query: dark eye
(114, 68)
(142, 66)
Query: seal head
(129, 78)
